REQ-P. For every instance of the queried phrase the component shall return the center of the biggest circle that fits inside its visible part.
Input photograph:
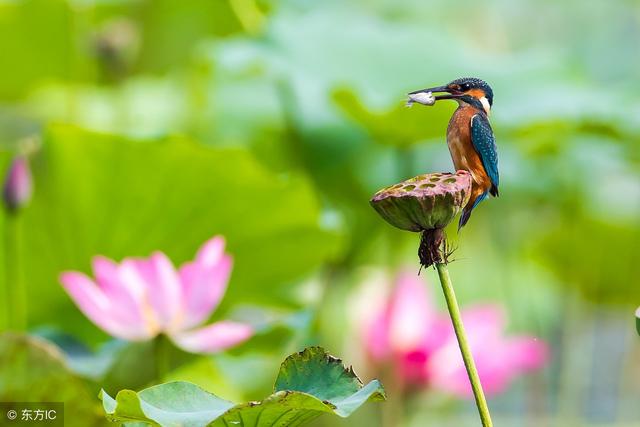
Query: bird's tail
(466, 212)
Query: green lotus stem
(15, 291)
(5, 296)
(161, 349)
(456, 319)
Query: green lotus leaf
(34, 370)
(310, 383)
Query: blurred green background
(162, 123)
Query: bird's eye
(465, 87)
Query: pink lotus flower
(418, 343)
(140, 298)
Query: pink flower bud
(18, 184)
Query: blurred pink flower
(18, 184)
(140, 298)
(418, 343)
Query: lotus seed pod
(425, 202)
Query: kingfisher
(469, 136)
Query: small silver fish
(424, 98)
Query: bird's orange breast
(463, 153)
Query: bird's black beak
(447, 95)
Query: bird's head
(468, 90)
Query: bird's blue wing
(485, 144)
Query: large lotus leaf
(33, 370)
(105, 194)
(309, 384)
